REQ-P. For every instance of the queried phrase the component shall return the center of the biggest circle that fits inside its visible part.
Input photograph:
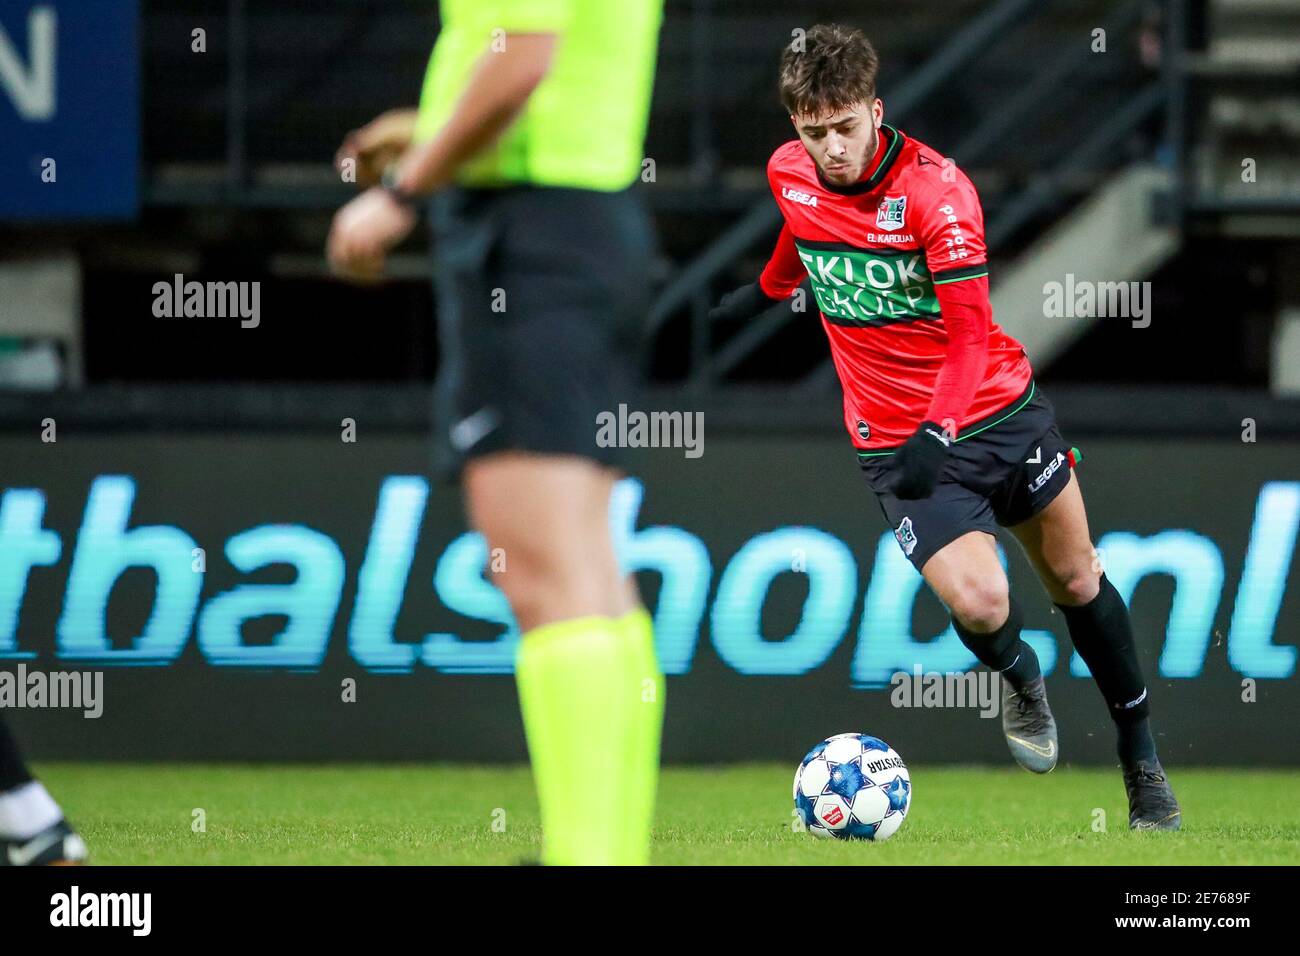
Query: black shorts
(996, 475)
(542, 296)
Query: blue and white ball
(852, 787)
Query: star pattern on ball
(898, 792)
(846, 779)
(816, 752)
(804, 805)
(844, 789)
(857, 830)
(872, 743)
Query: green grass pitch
(412, 813)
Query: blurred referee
(529, 134)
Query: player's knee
(1077, 585)
(982, 606)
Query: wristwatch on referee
(388, 183)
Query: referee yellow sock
(592, 702)
(643, 757)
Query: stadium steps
(1113, 236)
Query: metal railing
(693, 286)
(1164, 102)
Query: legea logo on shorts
(1050, 470)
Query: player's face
(843, 142)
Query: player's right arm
(777, 282)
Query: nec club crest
(906, 537)
(890, 215)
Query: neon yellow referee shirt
(584, 126)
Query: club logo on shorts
(864, 430)
(906, 537)
(890, 215)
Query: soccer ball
(852, 787)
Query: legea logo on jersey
(889, 216)
(795, 195)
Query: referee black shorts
(996, 475)
(542, 294)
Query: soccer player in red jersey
(951, 431)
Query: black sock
(1135, 742)
(1103, 635)
(1003, 650)
(1024, 669)
(13, 772)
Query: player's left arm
(497, 91)
(951, 227)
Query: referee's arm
(497, 91)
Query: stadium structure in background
(1140, 168)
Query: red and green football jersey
(875, 251)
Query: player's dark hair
(828, 68)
